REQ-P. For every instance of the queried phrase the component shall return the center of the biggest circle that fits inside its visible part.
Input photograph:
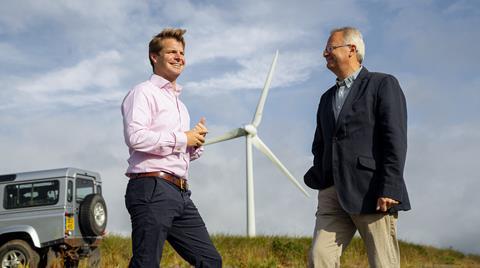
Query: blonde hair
(155, 45)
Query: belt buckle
(183, 185)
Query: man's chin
(176, 71)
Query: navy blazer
(363, 152)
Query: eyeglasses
(329, 49)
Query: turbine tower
(250, 132)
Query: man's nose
(178, 56)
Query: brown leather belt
(179, 182)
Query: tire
(93, 215)
(16, 253)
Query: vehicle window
(70, 191)
(84, 187)
(31, 194)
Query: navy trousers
(159, 211)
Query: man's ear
(353, 50)
(153, 57)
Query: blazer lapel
(329, 115)
(354, 92)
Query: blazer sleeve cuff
(311, 178)
(392, 192)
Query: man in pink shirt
(161, 145)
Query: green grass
(278, 251)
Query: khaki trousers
(334, 229)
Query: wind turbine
(250, 132)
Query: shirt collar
(349, 80)
(163, 83)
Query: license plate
(69, 223)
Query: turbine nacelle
(250, 129)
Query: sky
(65, 67)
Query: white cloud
(101, 71)
(292, 68)
(94, 80)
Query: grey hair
(352, 35)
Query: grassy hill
(276, 251)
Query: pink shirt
(154, 122)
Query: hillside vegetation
(276, 251)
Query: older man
(359, 153)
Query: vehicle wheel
(93, 215)
(18, 253)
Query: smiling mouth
(176, 65)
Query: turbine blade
(261, 103)
(227, 136)
(258, 143)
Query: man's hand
(196, 135)
(384, 203)
(200, 127)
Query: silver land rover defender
(51, 218)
